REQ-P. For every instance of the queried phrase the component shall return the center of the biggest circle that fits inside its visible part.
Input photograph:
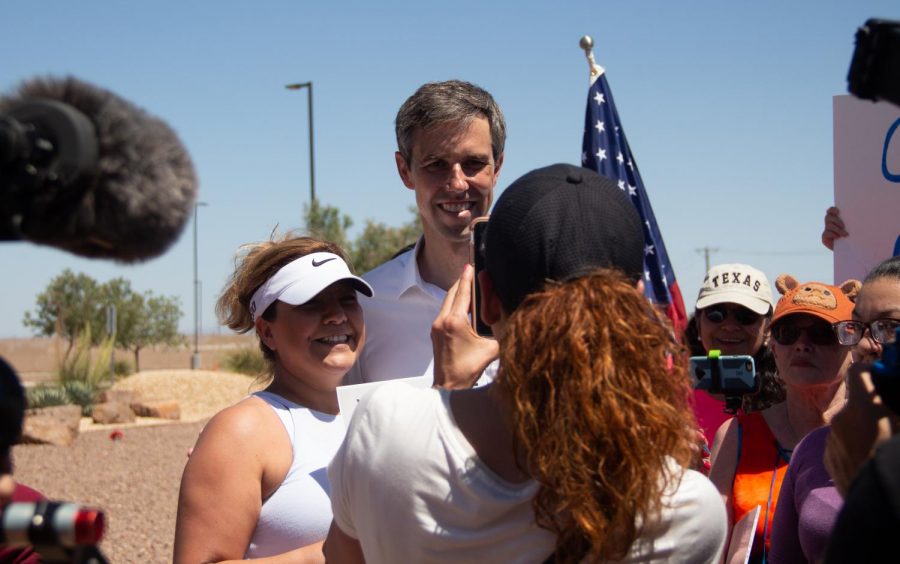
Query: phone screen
(476, 257)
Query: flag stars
(600, 98)
(601, 154)
(631, 165)
(622, 185)
(648, 250)
(601, 127)
(584, 157)
(632, 190)
(647, 275)
(620, 158)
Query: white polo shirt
(398, 322)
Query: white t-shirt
(298, 513)
(408, 485)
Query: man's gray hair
(449, 102)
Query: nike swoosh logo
(321, 262)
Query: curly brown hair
(254, 264)
(598, 417)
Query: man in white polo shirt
(450, 138)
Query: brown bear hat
(831, 303)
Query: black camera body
(886, 375)
(875, 68)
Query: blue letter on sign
(888, 175)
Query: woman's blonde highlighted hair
(598, 416)
(254, 264)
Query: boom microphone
(83, 170)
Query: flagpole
(587, 43)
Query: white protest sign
(866, 184)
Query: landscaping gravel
(134, 477)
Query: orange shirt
(760, 456)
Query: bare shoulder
(726, 434)
(250, 428)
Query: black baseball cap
(559, 223)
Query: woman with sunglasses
(732, 315)
(751, 451)
(810, 498)
(866, 422)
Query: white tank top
(298, 513)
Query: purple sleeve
(785, 538)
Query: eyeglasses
(820, 334)
(883, 331)
(719, 313)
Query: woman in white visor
(255, 485)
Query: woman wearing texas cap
(733, 311)
(751, 451)
(256, 485)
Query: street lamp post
(312, 168)
(195, 358)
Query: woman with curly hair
(255, 485)
(579, 450)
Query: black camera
(875, 67)
(886, 375)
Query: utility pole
(309, 120)
(195, 358)
(706, 252)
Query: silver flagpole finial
(587, 43)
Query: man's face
(453, 174)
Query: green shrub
(80, 377)
(82, 394)
(248, 361)
(78, 366)
(122, 368)
(45, 396)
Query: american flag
(605, 150)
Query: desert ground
(134, 477)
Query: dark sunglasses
(719, 313)
(820, 334)
(851, 332)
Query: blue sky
(726, 105)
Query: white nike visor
(302, 279)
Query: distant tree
(68, 305)
(74, 305)
(379, 242)
(376, 244)
(147, 320)
(328, 223)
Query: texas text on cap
(558, 223)
(831, 303)
(302, 279)
(736, 284)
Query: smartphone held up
(476, 259)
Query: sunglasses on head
(851, 332)
(820, 334)
(719, 313)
